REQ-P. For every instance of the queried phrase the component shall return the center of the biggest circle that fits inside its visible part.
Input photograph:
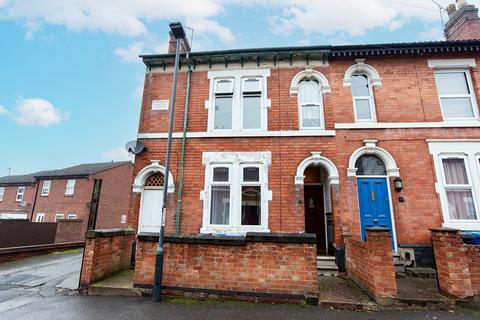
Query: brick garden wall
(370, 263)
(106, 252)
(69, 231)
(252, 267)
(458, 265)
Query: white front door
(151, 210)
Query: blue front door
(374, 204)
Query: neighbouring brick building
(97, 193)
(283, 143)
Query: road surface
(27, 291)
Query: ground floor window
(236, 192)
(58, 216)
(72, 216)
(457, 169)
(40, 217)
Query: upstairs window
(223, 104)
(46, 188)
(58, 217)
(310, 104)
(362, 98)
(40, 217)
(455, 91)
(2, 192)
(70, 187)
(20, 194)
(237, 101)
(251, 103)
(72, 216)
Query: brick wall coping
(105, 233)
(40, 247)
(378, 229)
(450, 230)
(232, 240)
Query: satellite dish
(135, 147)
(23, 204)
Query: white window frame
(238, 76)
(469, 151)
(320, 106)
(473, 99)
(242, 96)
(72, 216)
(40, 217)
(2, 193)
(20, 194)
(370, 98)
(67, 187)
(59, 216)
(235, 162)
(46, 188)
(221, 184)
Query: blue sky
(70, 79)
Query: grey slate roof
(75, 171)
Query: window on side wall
(362, 98)
(40, 217)
(20, 194)
(2, 192)
(456, 96)
(458, 189)
(251, 103)
(46, 188)
(223, 113)
(72, 216)
(58, 216)
(70, 187)
(310, 104)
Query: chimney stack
(463, 23)
(184, 44)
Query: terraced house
(289, 152)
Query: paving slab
(343, 293)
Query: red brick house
(96, 193)
(282, 143)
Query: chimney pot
(451, 9)
(461, 3)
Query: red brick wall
(408, 94)
(473, 257)
(69, 231)
(8, 203)
(453, 260)
(114, 197)
(105, 253)
(370, 263)
(282, 268)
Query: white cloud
(37, 112)
(351, 17)
(117, 154)
(432, 34)
(3, 110)
(124, 17)
(130, 53)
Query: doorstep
(118, 285)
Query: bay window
(236, 192)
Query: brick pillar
(473, 256)
(452, 263)
(379, 244)
(86, 274)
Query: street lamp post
(179, 34)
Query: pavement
(37, 288)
